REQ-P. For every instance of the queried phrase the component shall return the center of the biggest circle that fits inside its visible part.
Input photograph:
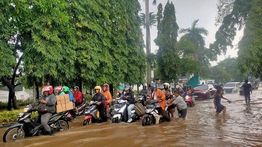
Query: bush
(20, 103)
(9, 116)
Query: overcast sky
(186, 12)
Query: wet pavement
(240, 126)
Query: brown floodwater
(240, 126)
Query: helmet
(45, 89)
(66, 89)
(98, 88)
(51, 91)
(76, 87)
(58, 89)
(106, 85)
(166, 85)
(48, 89)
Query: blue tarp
(194, 81)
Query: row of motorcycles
(27, 126)
(147, 111)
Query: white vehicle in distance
(231, 87)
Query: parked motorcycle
(152, 115)
(91, 114)
(26, 126)
(190, 101)
(80, 110)
(119, 112)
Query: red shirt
(78, 96)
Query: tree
(250, 46)
(10, 46)
(226, 70)
(232, 16)
(136, 56)
(70, 42)
(167, 55)
(149, 19)
(49, 43)
(192, 45)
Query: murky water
(241, 126)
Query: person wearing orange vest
(108, 96)
(159, 95)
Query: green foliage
(134, 41)
(167, 55)
(250, 46)
(195, 57)
(226, 70)
(152, 19)
(63, 41)
(7, 30)
(9, 116)
(233, 15)
(20, 103)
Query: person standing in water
(247, 89)
(217, 100)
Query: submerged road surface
(240, 126)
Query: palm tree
(195, 35)
(152, 20)
(148, 37)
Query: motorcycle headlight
(21, 114)
(148, 110)
(117, 109)
(25, 109)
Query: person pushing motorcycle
(161, 98)
(100, 98)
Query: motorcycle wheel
(144, 121)
(87, 122)
(62, 125)
(12, 134)
(113, 120)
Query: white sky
(186, 12)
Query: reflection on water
(240, 126)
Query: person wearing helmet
(108, 97)
(59, 90)
(78, 96)
(129, 96)
(159, 95)
(66, 90)
(100, 98)
(47, 107)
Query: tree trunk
(80, 84)
(11, 98)
(148, 42)
(37, 91)
(111, 89)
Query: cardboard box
(59, 109)
(63, 103)
(69, 106)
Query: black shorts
(182, 113)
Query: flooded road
(241, 126)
